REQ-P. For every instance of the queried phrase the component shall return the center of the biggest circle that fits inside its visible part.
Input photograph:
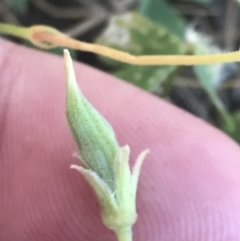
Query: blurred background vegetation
(153, 27)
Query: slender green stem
(124, 234)
(16, 31)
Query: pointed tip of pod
(69, 67)
(73, 90)
(74, 95)
(67, 56)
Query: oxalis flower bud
(105, 165)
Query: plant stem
(124, 234)
(13, 30)
(47, 37)
(64, 41)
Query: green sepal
(104, 194)
(136, 172)
(122, 175)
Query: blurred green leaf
(199, 1)
(236, 133)
(139, 36)
(20, 6)
(147, 78)
(206, 75)
(159, 11)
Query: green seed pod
(94, 136)
(106, 164)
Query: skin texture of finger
(190, 182)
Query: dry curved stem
(48, 37)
